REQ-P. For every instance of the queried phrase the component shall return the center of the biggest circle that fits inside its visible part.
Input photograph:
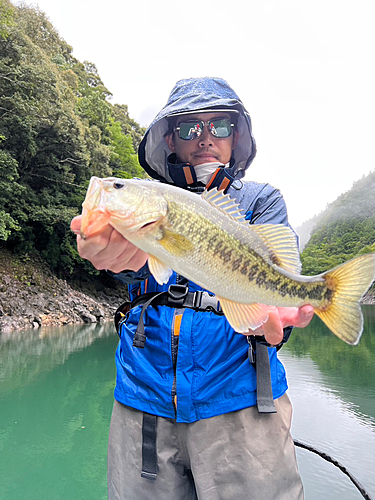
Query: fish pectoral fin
(244, 317)
(175, 243)
(160, 271)
(282, 243)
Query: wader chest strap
(149, 453)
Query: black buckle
(197, 299)
(203, 301)
(177, 294)
(251, 349)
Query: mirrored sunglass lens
(220, 128)
(190, 130)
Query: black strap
(179, 296)
(176, 296)
(265, 402)
(149, 453)
(139, 336)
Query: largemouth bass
(207, 240)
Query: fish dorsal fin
(282, 243)
(159, 271)
(224, 203)
(244, 317)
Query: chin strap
(220, 179)
(205, 171)
(182, 174)
(185, 176)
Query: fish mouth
(93, 222)
(94, 217)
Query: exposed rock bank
(369, 299)
(31, 296)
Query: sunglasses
(219, 127)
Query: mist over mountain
(357, 203)
(305, 229)
(345, 229)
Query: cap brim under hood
(189, 96)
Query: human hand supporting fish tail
(281, 317)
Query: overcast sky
(304, 70)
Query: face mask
(205, 170)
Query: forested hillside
(345, 229)
(57, 129)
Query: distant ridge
(345, 229)
(358, 203)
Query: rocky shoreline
(31, 296)
(368, 300)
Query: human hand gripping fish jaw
(253, 270)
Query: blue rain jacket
(211, 374)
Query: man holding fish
(201, 411)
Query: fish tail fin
(349, 282)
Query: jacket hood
(189, 96)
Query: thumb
(294, 316)
(273, 328)
(75, 224)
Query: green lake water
(56, 397)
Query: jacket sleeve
(268, 207)
(129, 277)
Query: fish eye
(118, 185)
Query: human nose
(206, 138)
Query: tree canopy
(57, 129)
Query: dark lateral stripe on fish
(245, 260)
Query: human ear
(169, 139)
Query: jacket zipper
(174, 347)
(177, 317)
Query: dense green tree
(124, 161)
(128, 126)
(9, 188)
(6, 18)
(57, 129)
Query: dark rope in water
(326, 457)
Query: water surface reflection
(331, 386)
(56, 396)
